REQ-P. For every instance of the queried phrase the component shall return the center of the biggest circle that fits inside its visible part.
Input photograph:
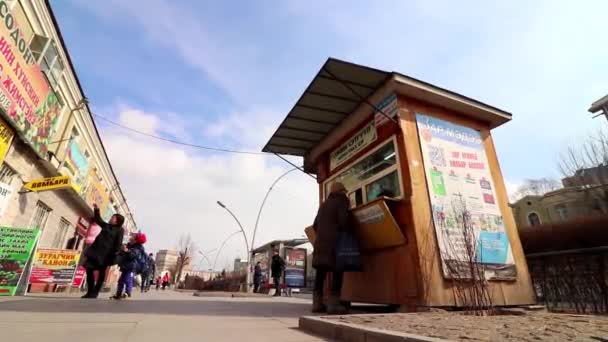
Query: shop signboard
(16, 246)
(6, 138)
(6, 193)
(96, 192)
(295, 267)
(82, 226)
(54, 266)
(26, 98)
(50, 183)
(78, 165)
(356, 143)
(79, 276)
(468, 222)
(389, 106)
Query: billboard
(295, 267)
(26, 98)
(78, 165)
(54, 266)
(467, 218)
(16, 246)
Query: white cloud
(173, 191)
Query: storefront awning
(325, 103)
(340, 87)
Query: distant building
(166, 260)
(584, 195)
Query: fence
(571, 280)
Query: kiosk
(421, 169)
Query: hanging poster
(16, 246)
(54, 266)
(468, 222)
(26, 98)
(96, 192)
(295, 267)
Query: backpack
(141, 261)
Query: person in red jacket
(165, 280)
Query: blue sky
(226, 73)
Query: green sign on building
(16, 247)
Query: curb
(347, 332)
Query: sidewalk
(151, 317)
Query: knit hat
(140, 238)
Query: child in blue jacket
(129, 260)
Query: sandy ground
(459, 327)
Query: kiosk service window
(374, 175)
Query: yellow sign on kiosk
(376, 226)
(51, 183)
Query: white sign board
(355, 144)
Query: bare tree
(585, 165)
(461, 260)
(185, 252)
(536, 187)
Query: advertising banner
(390, 106)
(295, 267)
(79, 276)
(16, 246)
(358, 142)
(96, 192)
(54, 266)
(468, 221)
(78, 165)
(6, 138)
(25, 95)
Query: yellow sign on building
(51, 183)
(6, 138)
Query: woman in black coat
(102, 253)
(333, 217)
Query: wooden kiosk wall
(411, 274)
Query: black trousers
(256, 287)
(93, 288)
(277, 285)
(336, 283)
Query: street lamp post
(222, 246)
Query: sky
(225, 74)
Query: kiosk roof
(340, 87)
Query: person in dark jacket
(257, 277)
(333, 216)
(102, 253)
(277, 267)
(148, 275)
(128, 259)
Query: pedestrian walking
(148, 273)
(103, 251)
(277, 267)
(332, 218)
(131, 260)
(165, 280)
(257, 277)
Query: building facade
(47, 130)
(166, 261)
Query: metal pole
(248, 274)
(221, 247)
(257, 220)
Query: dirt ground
(459, 327)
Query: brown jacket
(333, 216)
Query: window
(562, 211)
(45, 52)
(7, 174)
(62, 232)
(533, 219)
(41, 215)
(371, 177)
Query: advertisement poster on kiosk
(467, 218)
(295, 267)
